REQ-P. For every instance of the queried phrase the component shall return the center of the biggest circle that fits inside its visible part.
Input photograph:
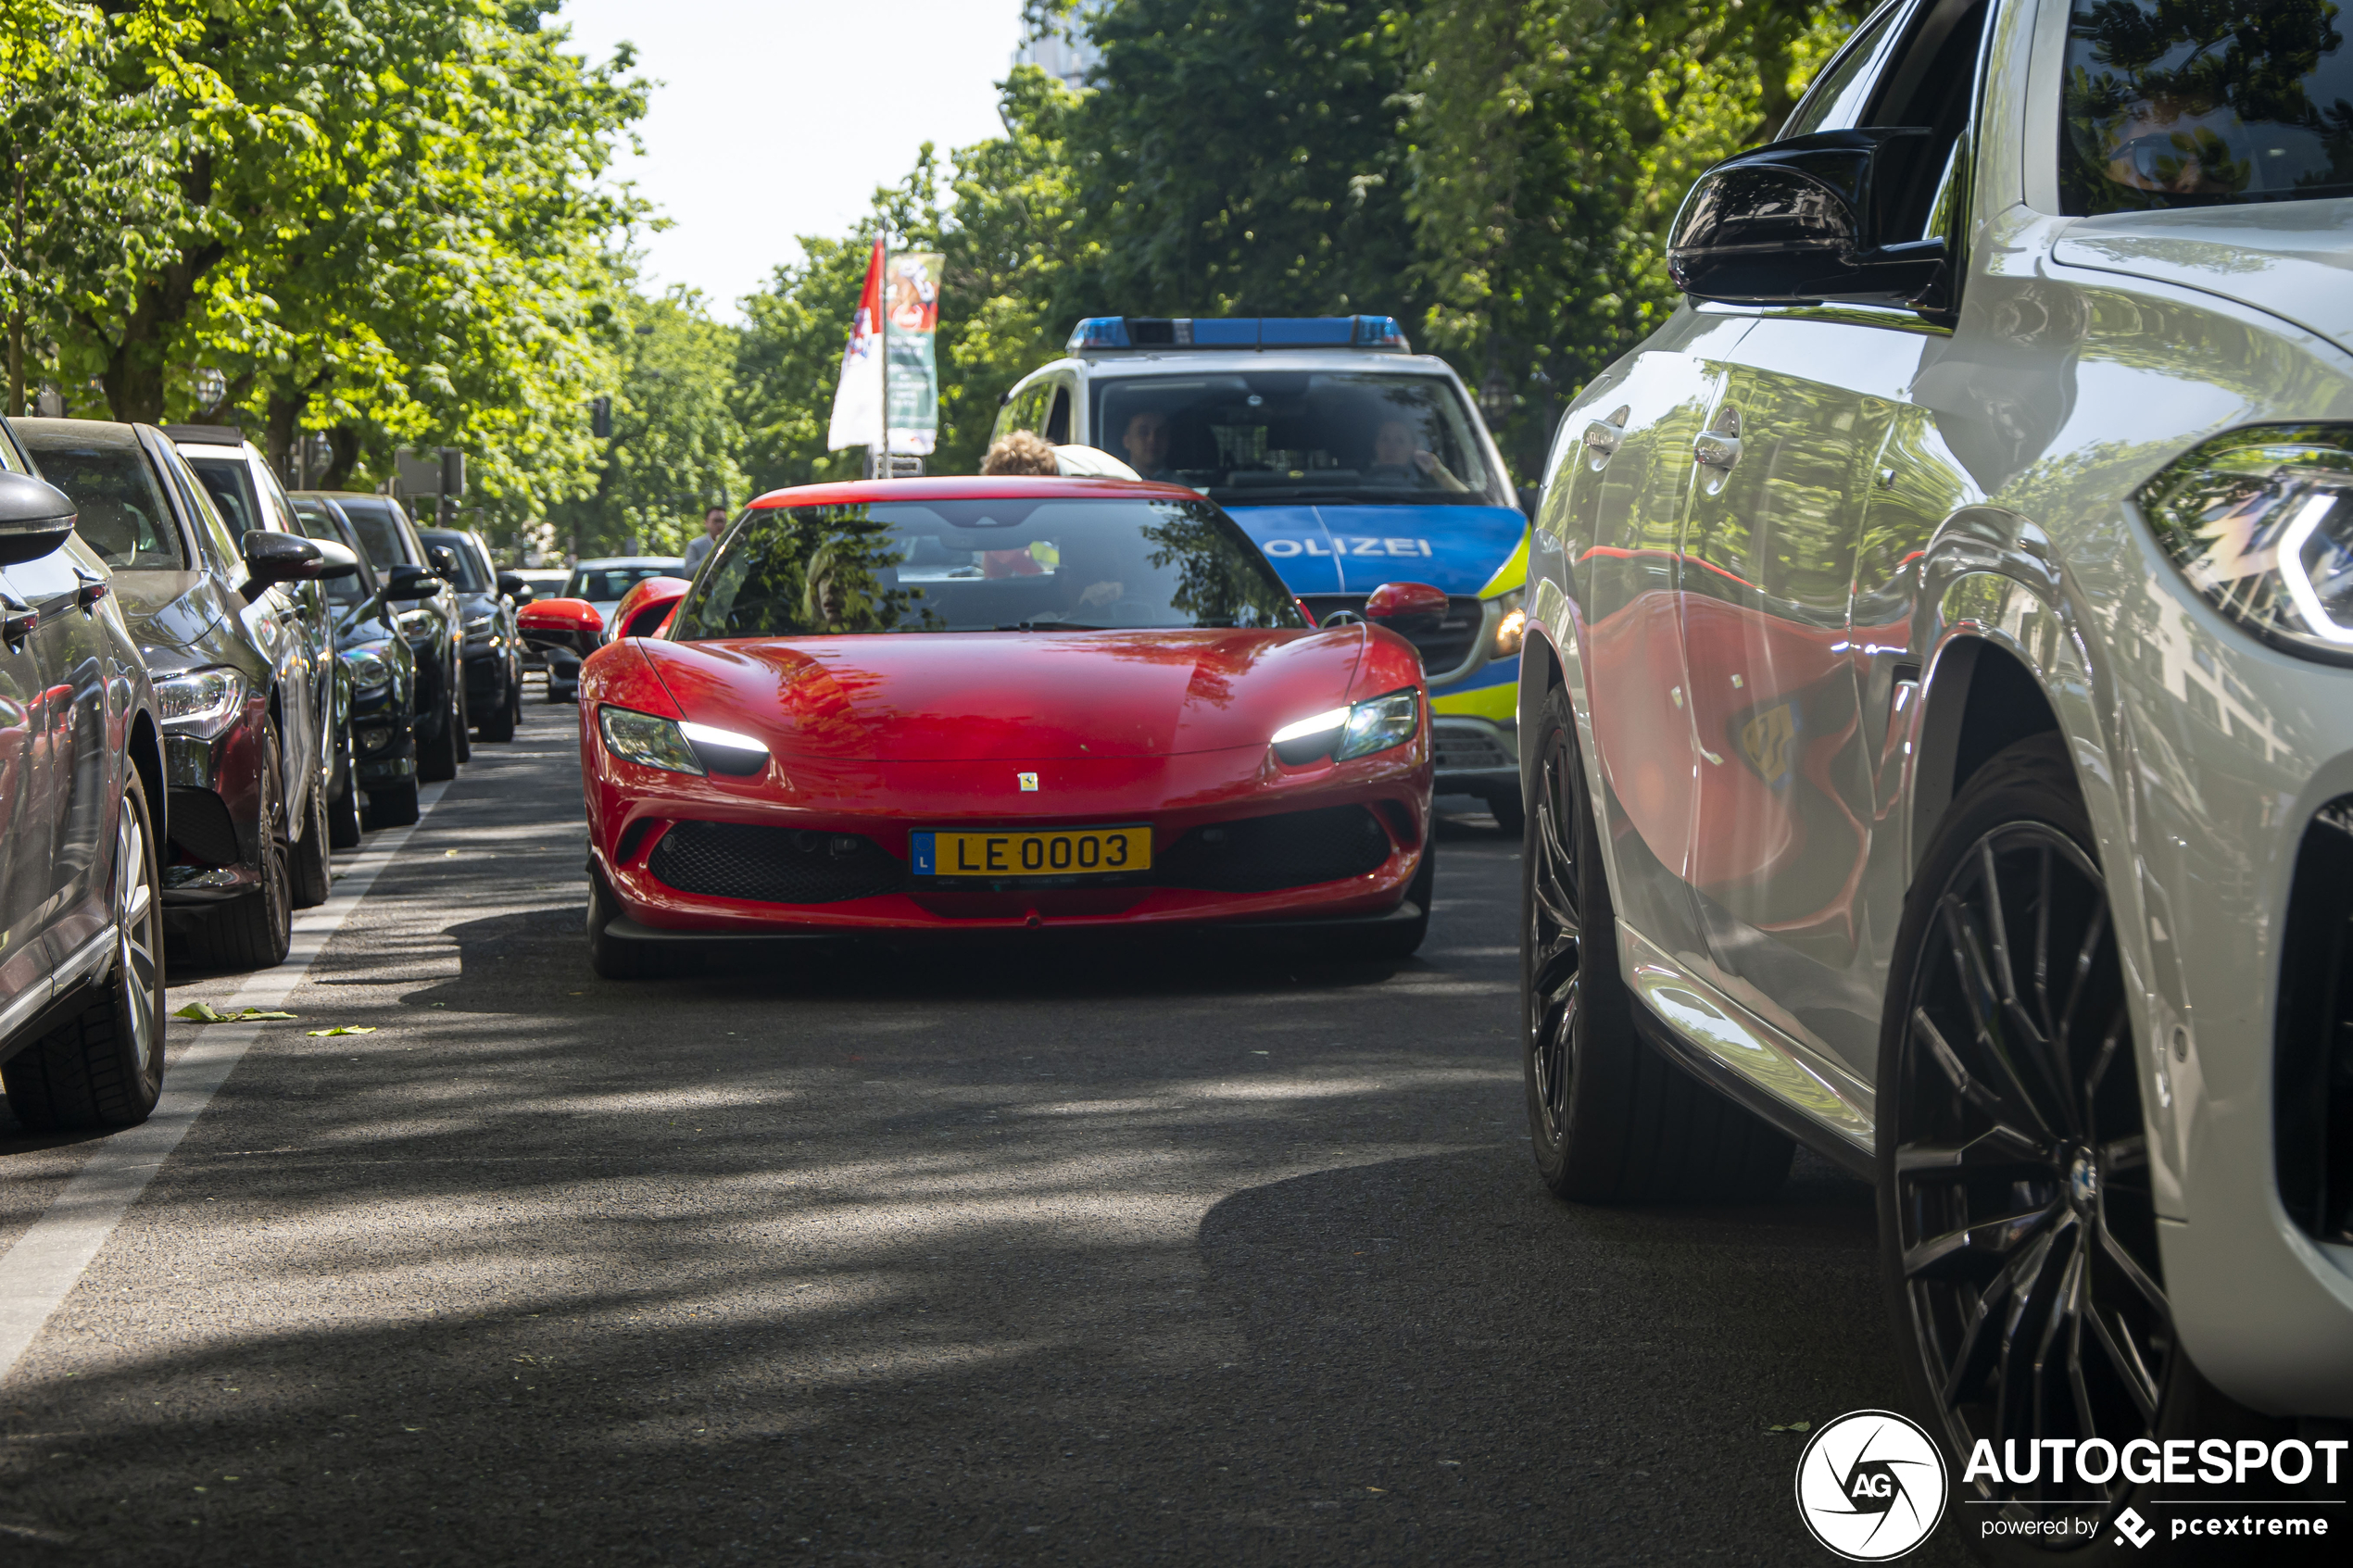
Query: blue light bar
(1096, 334)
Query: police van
(1351, 460)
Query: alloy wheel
(1555, 938)
(137, 939)
(2023, 1211)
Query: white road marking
(48, 1259)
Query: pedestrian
(714, 523)
(1021, 452)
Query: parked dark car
(81, 811)
(427, 609)
(225, 644)
(493, 652)
(237, 477)
(383, 674)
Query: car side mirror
(646, 606)
(410, 583)
(570, 625)
(271, 557)
(1793, 224)
(1406, 608)
(514, 587)
(35, 518)
(443, 559)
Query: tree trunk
(285, 412)
(15, 312)
(344, 441)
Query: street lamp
(1495, 395)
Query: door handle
(1602, 436)
(18, 624)
(1714, 450)
(92, 589)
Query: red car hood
(990, 696)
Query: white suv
(1937, 714)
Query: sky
(764, 126)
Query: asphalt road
(1040, 1254)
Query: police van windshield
(1257, 436)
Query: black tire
(1611, 1120)
(1510, 815)
(343, 809)
(615, 958)
(500, 725)
(312, 873)
(437, 752)
(392, 806)
(2074, 1268)
(256, 931)
(104, 1066)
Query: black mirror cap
(410, 583)
(513, 586)
(443, 559)
(35, 518)
(1789, 224)
(272, 556)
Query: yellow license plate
(1053, 852)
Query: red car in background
(958, 704)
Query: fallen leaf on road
(342, 1029)
(205, 1013)
(1794, 1426)
(448, 854)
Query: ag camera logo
(1870, 1485)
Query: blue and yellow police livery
(1353, 461)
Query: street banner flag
(914, 365)
(858, 400)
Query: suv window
(380, 531)
(1931, 83)
(230, 484)
(2172, 105)
(1835, 101)
(228, 553)
(314, 520)
(471, 578)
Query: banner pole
(882, 465)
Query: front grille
(201, 828)
(2312, 1076)
(1443, 651)
(773, 865)
(1261, 854)
(1463, 748)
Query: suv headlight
(200, 703)
(643, 738)
(2260, 521)
(1511, 623)
(1375, 724)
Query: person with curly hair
(1021, 452)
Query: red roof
(970, 488)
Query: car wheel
(255, 931)
(1511, 816)
(438, 753)
(500, 725)
(313, 873)
(1611, 1120)
(104, 1066)
(615, 958)
(394, 806)
(2017, 1227)
(343, 810)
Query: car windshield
(316, 524)
(471, 578)
(118, 508)
(2170, 104)
(1009, 564)
(607, 584)
(1256, 437)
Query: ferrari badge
(1028, 780)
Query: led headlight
(200, 703)
(1511, 623)
(724, 751)
(1372, 725)
(2260, 521)
(369, 670)
(643, 738)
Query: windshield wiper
(1053, 626)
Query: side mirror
(443, 559)
(271, 557)
(1407, 609)
(567, 625)
(410, 583)
(35, 518)
(514, 587)
(1792, 224)
(646, 607)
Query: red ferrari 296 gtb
(957, 703)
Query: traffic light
(600, 418)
